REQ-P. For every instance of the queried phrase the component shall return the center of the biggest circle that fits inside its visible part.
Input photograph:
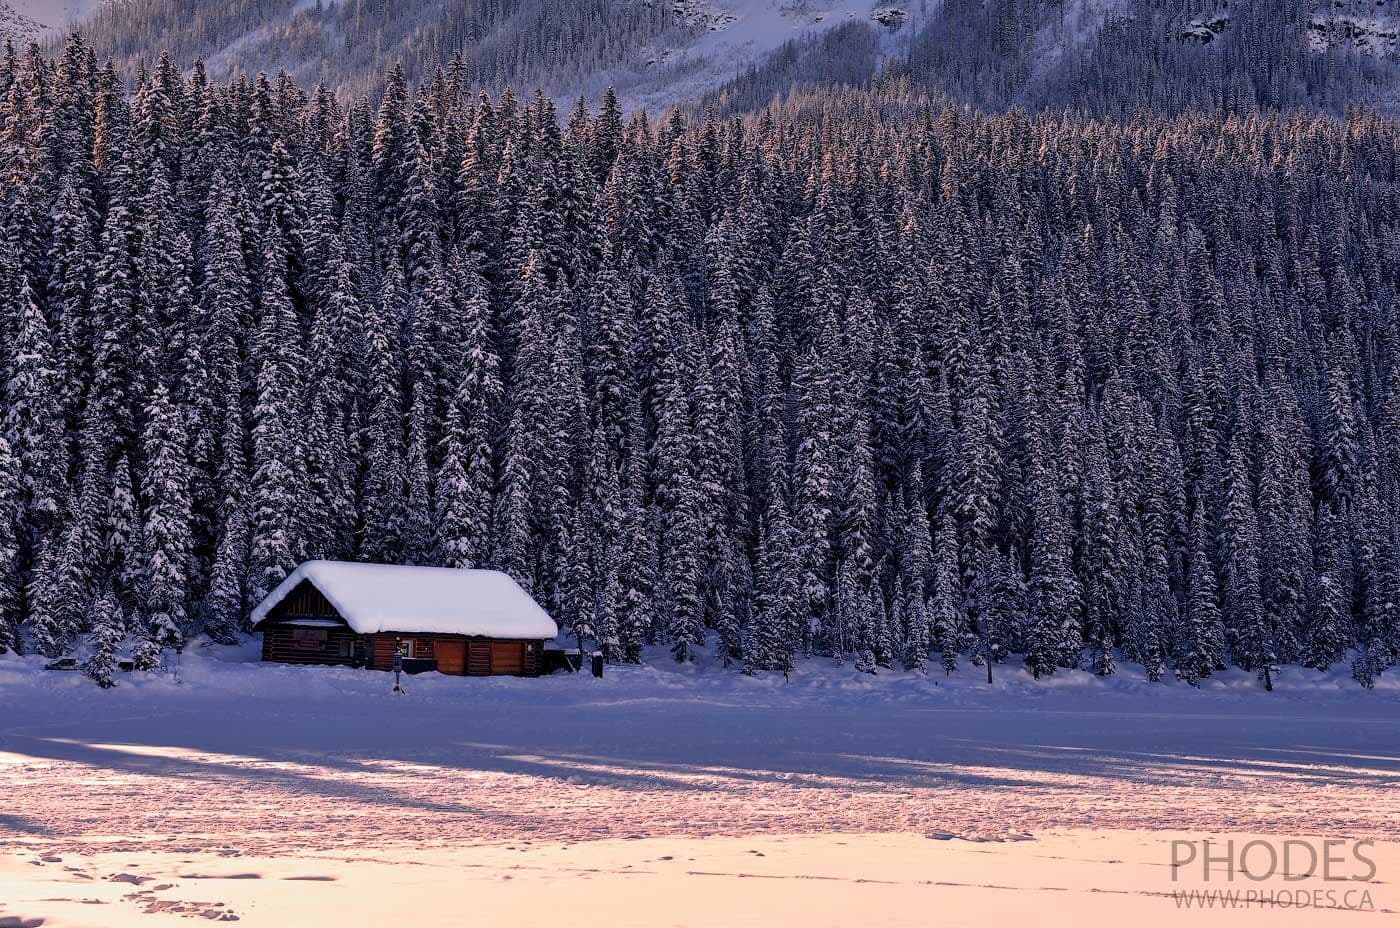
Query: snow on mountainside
(653, 51)
(1368, 28)
(17, 27)
(32, 19)
(739, 53)
(1204, 29)
(739, 34)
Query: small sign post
(398, 666)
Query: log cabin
(462, 622)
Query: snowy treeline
(857, 377)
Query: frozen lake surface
(665, 796)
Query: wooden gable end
(304, 628)
(304, 602)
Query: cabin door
(505, 657)
(451, 656)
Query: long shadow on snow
(684, 747)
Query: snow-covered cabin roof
(374, 598)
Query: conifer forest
(862, 374)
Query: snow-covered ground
(669, 796)
(54, 14)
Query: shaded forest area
(858, 376)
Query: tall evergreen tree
(169, 543)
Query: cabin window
(309, 639)
(347, 647)
(407, 645)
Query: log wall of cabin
(484, 656)
(294, 644)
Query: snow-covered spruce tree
(1202, 649)
(613, 360)
(32, 416)
(1327, 629)
(814, 488)
(169, 542)
(58, 593)
(945, 600)
(225, 606)
(1052, 636)
(602, 512)
(558, 505)
(278, 495)
(386, 477)
(108, 632)
(417, 538)
(975, 477)
(337, 332)
(526, 448)
(1286, 515)
(467, 475)
(1100, 567)
(861, 613)
(1251, 629)
(1339, 445)
(720, 483)
(578, 594)
(11, 587)
(999, 597)
(124, 543)
(637, 567)
(1153, 618)
(770, 639)
(680, 502)
(849, 608)
(1378, 647)
(916, 573)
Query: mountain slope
(28, 20)
(16, 26)
(653, 51)
(1103, 56)
(1114, 57)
